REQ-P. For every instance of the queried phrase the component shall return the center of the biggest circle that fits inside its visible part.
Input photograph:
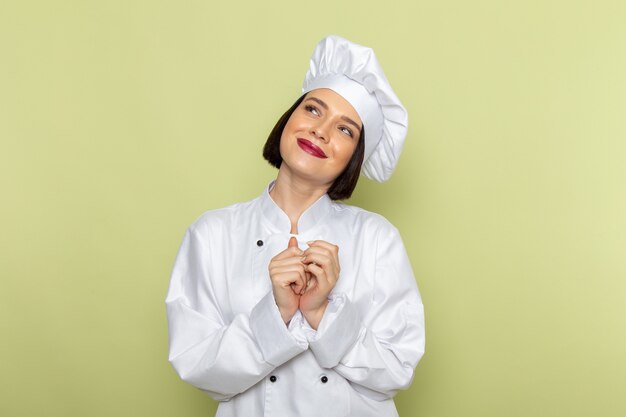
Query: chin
(309, 170)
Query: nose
(320, 130)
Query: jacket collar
(279, 221)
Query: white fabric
(228, 339)
(352, 71)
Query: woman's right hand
(289, 279)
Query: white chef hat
(353, 72)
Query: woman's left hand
(321, 260)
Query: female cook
(293, 304)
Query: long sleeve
(222, 358)
(378, 350)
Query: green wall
(122, 121)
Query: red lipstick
(310, 148)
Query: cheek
(289, 149)
(344, 152)
(282, 145)
(288, 131)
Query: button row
(324, 379)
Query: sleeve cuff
(337, 332)
(278, 344)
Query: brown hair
(345, 183)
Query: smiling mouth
(310, 148)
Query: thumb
(293, 243)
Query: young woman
(293, 304)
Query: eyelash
(343, 129)
(311, 109)
(347, 131)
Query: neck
(294, 195)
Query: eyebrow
(325, 106)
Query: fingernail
(309, 242)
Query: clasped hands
(303, 279)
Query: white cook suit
(227, 337)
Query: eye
(347, 131)
(312, 109)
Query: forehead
(335, 102)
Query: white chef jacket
(228, 339)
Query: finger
(280, 269)
(289, 252)
(288, 274)
(293, 260)
(324, 244)
(321, 259)
(307, 280)
(318, 255)
(290, 279)
(324, 250)
(311, 283)
(318, 273)
(293, 242)
(323, 271)
(319, 250)
(298, 286)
